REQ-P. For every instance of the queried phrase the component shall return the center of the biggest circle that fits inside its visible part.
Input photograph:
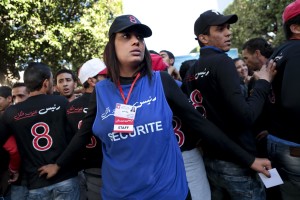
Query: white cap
(90, 69)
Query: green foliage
(63, 33)
(196, 49)
(257, 18)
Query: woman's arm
(78, 142)
(208, 131)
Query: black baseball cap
(129, 21)
(212, 18)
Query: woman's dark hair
(286, 26)
(35, 74)
(236, 59)
(112, 63)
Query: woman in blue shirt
(141, 157)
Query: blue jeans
(82, 185)
(4, 198)
(231, 181)
(65, 190)
(19, 192)
(285, 157)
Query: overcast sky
(172, 22)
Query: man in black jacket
(214, 85)
(39, 125)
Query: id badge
(124, 118)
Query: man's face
(5, 102)
(220, 37)
(96, 79)
(166, 58)
(19, 94)
(251, 60)
(65, 85)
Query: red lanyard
(131, 87)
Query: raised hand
(267, 71)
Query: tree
(257, 18)
(63, 33)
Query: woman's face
(241, 68)
(130, 48)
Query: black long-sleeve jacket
(284, 107)
(214, 84)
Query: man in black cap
(213, 86)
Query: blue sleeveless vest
(145, 164)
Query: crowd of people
(141, 129)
